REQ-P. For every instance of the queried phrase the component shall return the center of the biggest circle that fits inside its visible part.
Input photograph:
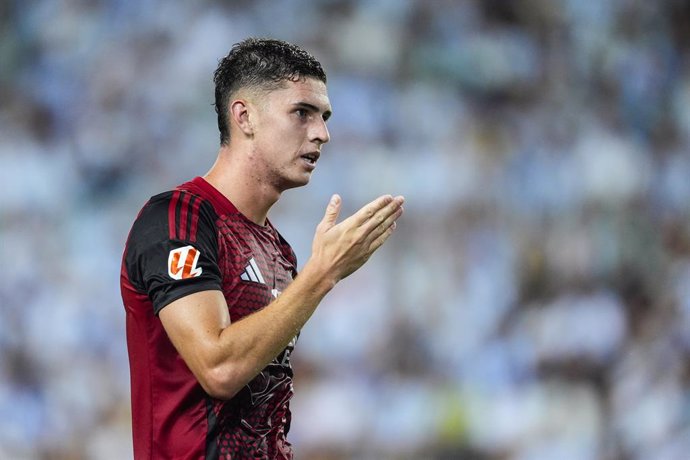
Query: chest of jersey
(255, 265)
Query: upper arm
(194, 324)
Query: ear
(239, 116)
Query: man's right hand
(340, 249)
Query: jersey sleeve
(172, 250)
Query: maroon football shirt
(188, 240)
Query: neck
(235, 178)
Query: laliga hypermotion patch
(182, 263)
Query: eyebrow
(311, 107)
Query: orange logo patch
(182, 263)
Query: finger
(383, 226)
(378, 242)
(382, 215)
(332, 212)
(369, 210)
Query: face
(289, 130)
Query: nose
(320, 132)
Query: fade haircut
(259, 63)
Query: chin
(295, 182)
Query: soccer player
(212, 297)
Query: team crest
(182, 263)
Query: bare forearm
(245, 347)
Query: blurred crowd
(534, 302)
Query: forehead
(305, 90)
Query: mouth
(311, 157)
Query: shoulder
(173, 241)
(175, 215)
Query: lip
(311, 158)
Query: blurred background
(535, 300)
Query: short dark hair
(263, 63)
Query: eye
(302, 113)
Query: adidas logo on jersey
(252, 273)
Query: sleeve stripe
(184, 209)
(195, 219)
(172, 207)
(183, 223)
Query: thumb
(332, 212)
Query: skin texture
(270, 133)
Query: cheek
(281, 134)
(289, 137)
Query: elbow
(221, 382)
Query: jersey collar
(220, 202)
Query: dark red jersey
(188, 240)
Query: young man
(212, 297)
